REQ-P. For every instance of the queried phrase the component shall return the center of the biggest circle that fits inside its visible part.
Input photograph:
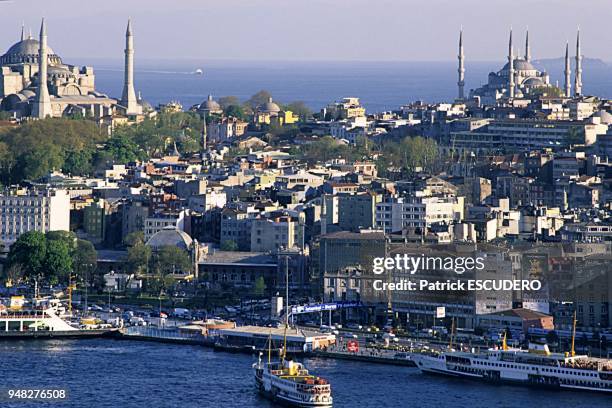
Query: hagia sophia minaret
(42, 105)
(510, 67)
(578, 78)
(527, 48)
(461, 69)
(128, 98)
(568, 73)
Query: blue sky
(378, 30)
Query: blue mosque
(518, 77)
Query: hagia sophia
(35, 82)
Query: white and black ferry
(535, 366)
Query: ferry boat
(536, 366)
(290, 383)
(38, 317)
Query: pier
(369, 355)
(164, 335)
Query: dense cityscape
(219, 221)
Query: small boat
(198, 71)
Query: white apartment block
(273, 234)
(22, 211)
(397, 213)
(158, 222)
(210, 199)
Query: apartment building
(398, 213)
(22, 211)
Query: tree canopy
(35, 148)
(155, 136)
(52, 257)
(300, 109)
(259, 98)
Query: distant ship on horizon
(198, 71)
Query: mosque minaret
(568, 73)
(461, 69)
(128, 98)
(42, 106)
(578, 78)
(527, 48)
(511, 72)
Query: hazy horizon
(315, 30)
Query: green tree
(84, 261)
(122, 149)
(236, 111)
(300, 109)
(418, 152)
(257, 99)
(134, 238)
(30, 252)
(259, 289)
(7, 163)
(155, 136)
(138, 258)
(58, 261)
(229, 245)
(171, 259)
(139, 254)
(79, 162)
(35, 148)
(550, 91)
(68, 237)
(227, 101)
(13, 273)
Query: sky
(336, 30)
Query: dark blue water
(100, 373)
(380, 85)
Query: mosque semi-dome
(534, 82)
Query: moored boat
(39, 318)
(536, 366)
